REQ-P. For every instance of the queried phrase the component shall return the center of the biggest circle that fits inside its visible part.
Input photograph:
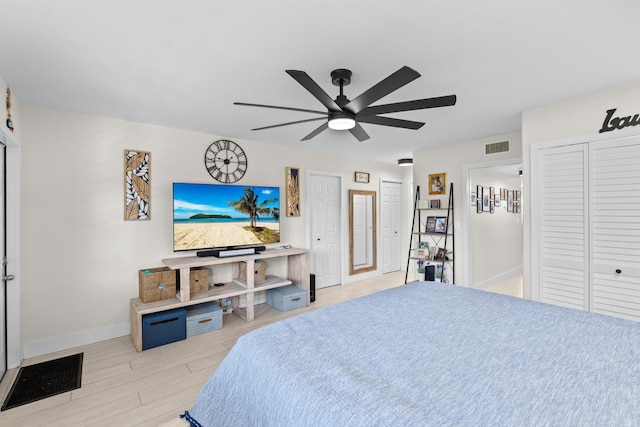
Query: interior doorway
(493, 223)
(325, 228)
(391, 221)
(3, 258)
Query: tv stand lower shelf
(297, 272)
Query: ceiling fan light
(405, 162)
(342, 123)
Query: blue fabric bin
(287, 298)
(163, 328)
(203, 318)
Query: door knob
(9, 277)
(618, 271)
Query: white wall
(495, 238)
(79, 257)
(576, 119)
(452, 160)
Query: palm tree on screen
(248, 204)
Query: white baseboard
(64, 342)
(498, 279)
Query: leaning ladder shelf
(419, 234)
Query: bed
(430, 354)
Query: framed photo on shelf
(440, 254)
(434, 204)
(440, 224)
(437, 183)
(431, 224)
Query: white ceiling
(182, 64)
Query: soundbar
(230, 252)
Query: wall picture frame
(292, 183)
(437, 183)
(137, 185)
(361, 177)
(486, 205)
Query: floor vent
(496, 147)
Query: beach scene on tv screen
(213, 216)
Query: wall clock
(226, 161)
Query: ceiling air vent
(496, 147)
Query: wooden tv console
(297, 274)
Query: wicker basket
(260, 270)
(156, 284)
(198, 280)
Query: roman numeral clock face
(225, 161)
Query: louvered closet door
(563, 226)
(615, 227)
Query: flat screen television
(207, 216)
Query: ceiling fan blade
(291, 123)
(315, 90)
(316, 132)
(280, 108)
(394, 82)
(388, 121)
(418, 104)
(359, 133)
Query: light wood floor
(121, 387)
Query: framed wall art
(137, 185)
(486, 198)
(361, 177)
(292, 181)
(437, 183)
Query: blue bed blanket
(430, 354)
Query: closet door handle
(618, 271)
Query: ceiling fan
(345, 114)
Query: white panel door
(615, 227)
(390, 222)
(325, 229)
(3, 268)
(563, 226)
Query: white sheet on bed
(430, 354)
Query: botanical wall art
(137, 185)
(293, 191)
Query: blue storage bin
(287, 298)
(203, 318)
(163, 328)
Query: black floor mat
(44, 380)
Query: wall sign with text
(612, 122)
